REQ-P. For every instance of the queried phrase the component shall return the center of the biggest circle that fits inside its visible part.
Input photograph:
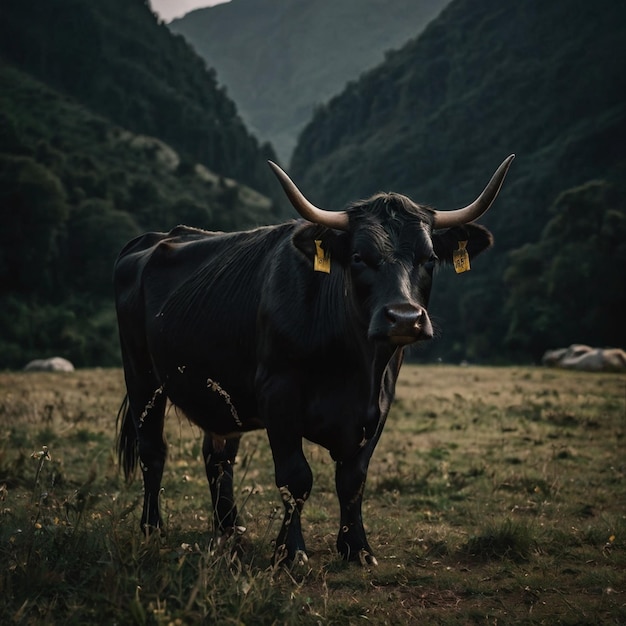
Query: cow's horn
(331, 219)
(447, 219)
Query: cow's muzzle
(402, 324)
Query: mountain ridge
(279, 59)
(86, 164)
(120, 61)
(542, 80)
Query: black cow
(297, 328)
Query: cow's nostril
(391, 315)
(404, 314)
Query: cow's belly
(218, 400)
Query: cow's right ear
(312, 240)
(477, 239)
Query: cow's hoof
(231, 531)
(298, 567)
(300, 559)
(230, 535)
(298, 562)
(149, 530)
(366, 559)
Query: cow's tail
(127, 448)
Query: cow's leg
(294, 480)
(219, 457)
(279, 399)
(350, 479)
(351, 473)
(142, 430)
(148, 408)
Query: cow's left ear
(329, 241)
(447, 241)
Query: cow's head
(389, 246)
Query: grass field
(496, 496)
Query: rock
(54, 364)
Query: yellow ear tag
(321, 262)
(460, 258)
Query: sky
(167, 10)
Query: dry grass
(496, 496)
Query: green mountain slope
(545, 80)
(119, 61)
(80, 91)
(74, 188)
(279, 58)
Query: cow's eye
(429, 263)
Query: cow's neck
(383, 377)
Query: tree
(569, 286)
(33, 210)
(96, 234)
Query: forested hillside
(75, 185)
(544, 80)
(110, 125)
(281, 58)
(119, 61)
